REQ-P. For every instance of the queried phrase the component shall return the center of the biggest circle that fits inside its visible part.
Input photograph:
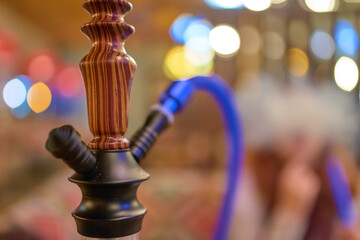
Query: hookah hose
(176, 99)
(341, 192)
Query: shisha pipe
(107, 170)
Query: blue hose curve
(226, 101)
(341, 192)
(177, 97)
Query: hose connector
(172, 101)
(177, 96)
(65, 143)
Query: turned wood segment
(108, 72)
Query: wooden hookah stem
(108, 73)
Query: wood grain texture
(108, 72)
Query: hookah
(107, 169)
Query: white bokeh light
(229, 4)
(225, 40)
(198, 51)
(14, 93)
(346, 74)
(257, 5)
(321, 5)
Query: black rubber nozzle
(145, 137)
(65, 143)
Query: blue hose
(226, 101)
(341, 192)
(177, 97)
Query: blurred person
(291, 131)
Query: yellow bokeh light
(298, 62)
(39, 97)
(321, 5)
(346, 74)
(199, 58)
(177, 65)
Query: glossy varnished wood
(108, 72)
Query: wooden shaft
(108, 73)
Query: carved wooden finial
(108, 72)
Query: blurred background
(292, 63)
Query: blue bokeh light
(26, 81)
(22, 111)
(322, 45)
(346, 38)
(67, 106)
(179, 27)
(225, 4)
(197, 29)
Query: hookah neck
(108, 72)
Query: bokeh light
(225, 40)
(42, 67)
(195, 37)
(26, 81)
(274, 46)
(39, 97)
(179, 27)
(9, 49)
(14, 93)
(346, 74)
(298, 62)
(177, 65)
(69, 81)
(22, 111)
(197, 29)
(346, 37)
(321, 5)
(278, 1)
(199, 44)
(322, 45)
(257, 5)
(199, 58)
(251, 41)
(225, 4)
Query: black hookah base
(109, 206)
